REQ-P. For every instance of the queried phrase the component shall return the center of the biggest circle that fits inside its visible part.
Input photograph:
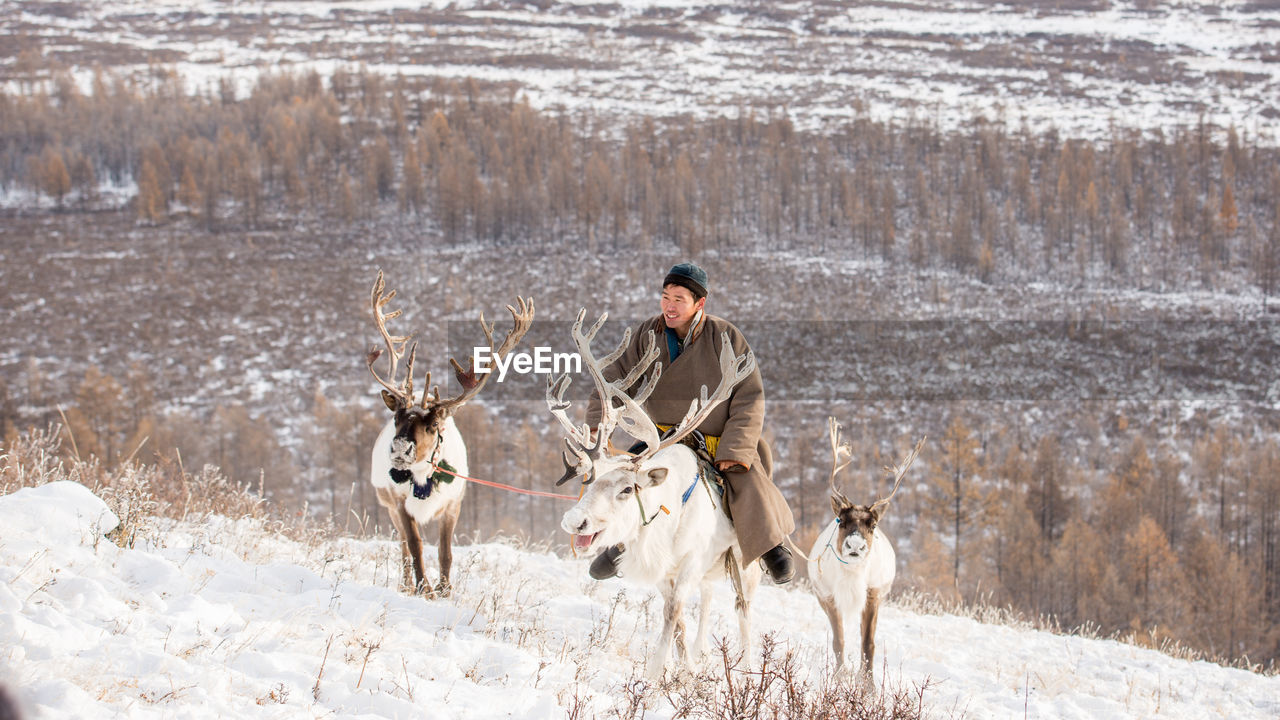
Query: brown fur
(870, 614)
(414, 577)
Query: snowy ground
(215, 618)
(1081, 66)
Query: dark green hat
(689, 276)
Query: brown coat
(761, 516)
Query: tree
(412, 191)
(958, 501)
(1079, 571)
(1046, 498)
(50, 173)
(1227, 213)
(1153, 574)
(1121, 502)
(83, 178)
(1224, 599)
(150, 199)
(381, 169)
(346, 197)
(99, 419)
(189, 194)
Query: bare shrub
(128, 492)
(782, 689)
(30, 460)
(140, 494)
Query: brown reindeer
(420, 442)
(852, 563)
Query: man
(689, 343)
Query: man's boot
(605, 565)
(778, 562)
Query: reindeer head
(858, 523)
(612, 508)
(418, 431)
(419, 423)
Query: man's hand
(730, 466)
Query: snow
(1077, 69)
(215, 617)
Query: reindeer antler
(578, 436)
(617, 407)
(471, 385)
(734, 369)
(521, 319)
(898, 471)
(839, 449)
(395, 343)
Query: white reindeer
(421, 441)
(852, 563)
(676, 533)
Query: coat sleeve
(746, 413)
(620, 367)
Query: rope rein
(500, 486)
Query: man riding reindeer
(689, 340)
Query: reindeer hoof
(442, 590)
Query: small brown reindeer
(852, 563)
(421, 441)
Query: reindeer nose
(574, 522)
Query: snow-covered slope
(1082, 66)
(220, 618)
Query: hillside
(1045, 235)
(1084, 65)
(216, 617)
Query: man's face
(679, 306)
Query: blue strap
(835, 554)
(696, 477)
(673, 344)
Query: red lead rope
(500, 486)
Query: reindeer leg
(444, 549)
(412, 579)
(700, 646)
(680, 635)
(870, 614)
(745, 581)
(672, 608)
(837, 629)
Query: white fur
(682, 548)
(846, 583)
(452, 450)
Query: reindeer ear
(390, 400)
(878, 509)
(657, 476)
(837, 505)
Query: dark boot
(605, 565)
(778, 562)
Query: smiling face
(679, 306)
(857, 529)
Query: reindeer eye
(626, 491)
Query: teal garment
(674, 346)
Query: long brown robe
(761, 517)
